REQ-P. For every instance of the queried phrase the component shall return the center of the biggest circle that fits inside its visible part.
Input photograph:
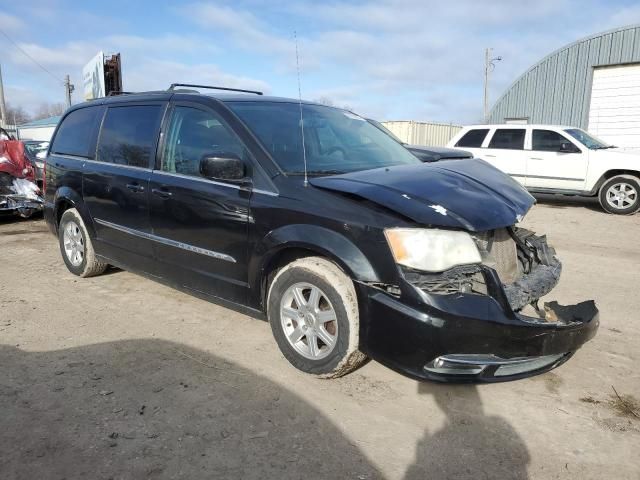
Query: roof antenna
(304, 150)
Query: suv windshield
(587, 140)
(335, 141)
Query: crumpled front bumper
(19, 204)
(410, 338)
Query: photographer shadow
(470, 444)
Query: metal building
(423, 133)
(593, 83)
(38, 129)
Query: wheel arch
(291, 242)
(66, 198)
(627, 173)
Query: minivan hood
(469, 194)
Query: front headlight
(431, 250)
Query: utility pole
(68, 89)
(3, 107)
(489, 65)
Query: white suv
(556, 159)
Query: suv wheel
(76, 247)
(621, 195)
(313, 312)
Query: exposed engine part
(386, 287)
(460, 279)
(540, 281)
(499, 251)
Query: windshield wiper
(317, 172)
(604, 147)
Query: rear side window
(547, 141)
(473, 138)
(75, 134)
(129, 135)
(509, 138)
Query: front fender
(324, 241)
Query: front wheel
(313, 312)
(620, 195)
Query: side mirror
(223, 166)
(568, 147)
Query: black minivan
(311, 217)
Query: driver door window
(549, 168)
(547, 141)
(193, 134)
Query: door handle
(535, 158)
(489, 156)
(135, 187)
(161, 192)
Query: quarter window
(76, 133)
(508, 138)
(547, 141)
(194, 134)
(129, 135)
(473, 138)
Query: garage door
(614, 115)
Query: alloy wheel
(621, 195)
(73, 243)
(309, 321)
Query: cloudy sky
(392, 60)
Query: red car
(18, 191)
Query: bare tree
(46, 110)
(324, 101)
(16, 115)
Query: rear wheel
(313, 312)
(76, 247)
(620, 195)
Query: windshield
(587, 140)
(376, 123)
(36, 147)
(335, 141)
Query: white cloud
(146, 65)
(159, 74)
(10, 23)
(385, 58)
(427, 57)
(244, 27)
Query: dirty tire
(631, 184)
(339, 290)
(90, 265)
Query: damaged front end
(19, 194)
(21, 197)
(526, 265)
(482, 322)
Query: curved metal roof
(557, 89)
(43, 122)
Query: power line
(30, 57)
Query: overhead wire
(31, 58)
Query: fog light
(474, 364)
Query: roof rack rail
(113, 93)
(174, 85)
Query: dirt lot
(120, 377)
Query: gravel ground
(120, 377)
